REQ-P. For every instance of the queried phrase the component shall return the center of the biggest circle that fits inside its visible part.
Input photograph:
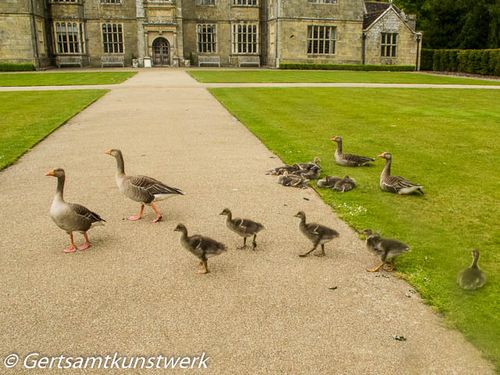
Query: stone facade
(220, 32)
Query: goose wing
(398, 183)
(357, 159)
(248, 226)
(85, 213)
(152, 186)
(205, 246)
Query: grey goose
(386, 248)
(143, 189)
(318, 234)
(243, 227)
(71, 217)
(396, 184)
(348, 160)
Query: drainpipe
(36, 54)
(363, 48)
(278, 14)
(419, 41)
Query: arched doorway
(161, 52)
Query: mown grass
(443, 139)
(28, 117)
(317, 76)
(64, 79)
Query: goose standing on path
(243, 227)
(317, 233)
(387, 248)
(143, 189)
(200, 246)
(395, 184)
(71, 217)
(348, 160)
(472, 278)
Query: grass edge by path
(126, 77)
(101, 94)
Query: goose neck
(120, 164)
(339, 147)
(475, 259)
(387, 167)
(60, 187)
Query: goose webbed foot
(71, 248)
(390, 267)
(157, 212)
(377, 268)
(86, 244)
(137, 217)
(203, 268)
(244, 244)
(322, 254)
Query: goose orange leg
(157, 212)
(86, 244)
(204, 269)
(72, 247)
(137, 217)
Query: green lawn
(28, 117)
(446, 140)
(340, 76)
(63, 79)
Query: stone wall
(406, 50)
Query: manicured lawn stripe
(443, 139)
(287, 76)
(63, 79)
(28, 117)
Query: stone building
(206, 32)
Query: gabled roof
(375, 9)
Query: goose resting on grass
(388, 249)
(317, 233)
(472, 278)
(200, 246)
(396, 184)
(243, 227)
(293, 180)
(143, 189)
(337, 183)
(71, 217)
(348, 160)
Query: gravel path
(135, 291)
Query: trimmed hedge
(481, 61)
(426, 59)
(393, 68)
(12, 67)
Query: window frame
(63, 46)
(389, 48)
(213, 42)
(244, 3)
(113, 42)
(237, 42)
(321, 42)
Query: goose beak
(108, 152)
(382, 155)
(334, 139)
(50, 173)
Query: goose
(243, 227)
(328, 182)
(345, 184)
(348, 160)
(71, 217)
(200, 246)
(312, 173)
(293, 180)
(307, 166)
(278, 171)
(317, 233)
(143, 189)
(472, 278)
(395, 184)
(387, 248)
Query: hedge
(12, 67)
(394, 68)
(426, 59)
(484, 61)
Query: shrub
(426, 59)
(394, 68)
(485, 62)
(13, 67)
